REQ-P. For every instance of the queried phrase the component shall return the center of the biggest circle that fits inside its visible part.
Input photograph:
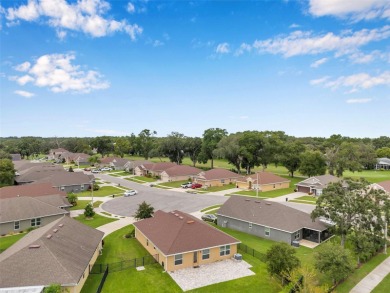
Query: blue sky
(94, 67)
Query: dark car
(209, 217)
(196, 185)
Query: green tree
(146, 142)
(4, 155)
(70, 169)
(304, 280)
(29, 146)
(72, 199)
(334, 261)
(193, 146)
(94, 159)
(312, 163)
(173, 147)
(281, 259)
(381, 142)
(211, 137)
(7, 172)
(122, 146)
(272, 147)
(103, 145)
(383, 152)
(291, 157)
(53, 288)
(144, 211)
(229, 148)
(89, 212)
(251, 144)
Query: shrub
(89, 212)
(72, 198)
(131, 234)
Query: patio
(192, 278)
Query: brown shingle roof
(182, 170)
(61, 259)
(265, 178)
(23, 208)
(269, 214)
(31, 190)
(218, 174)
(173, 234)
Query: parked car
(87, 169)
(106, 169)
(209, 217)
(196, 185)
(96, 171)
(186, 185)
(130, 193)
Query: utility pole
(257, 184)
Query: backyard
(96, 221)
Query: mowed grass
(141, 179)
(96, 221)
(372, 176)
(174, 184)
(81, 204)
(383, 286)
(7, 241)
(210, 208)
(103, 191)
(305, 199)
(220, 188)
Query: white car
(106, 169)
(130, 193)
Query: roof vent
(55, 230)
(61, 225)
(190, 222)
(172, 212)
(48, 236)
(181, 218)
(176, 215)
(34, 246)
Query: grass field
(103, 191)
(383, 286)
(7, 241)
(96, 221)
(81, 204)
(219, 188)
(305, 199)
(174, 184)
(141, 179)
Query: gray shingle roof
(319, 181)
(269, 214)
(61, 259)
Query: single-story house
(37, 172)
(118, 163)
(384, 185)
(31, 190)
(382, 163)
(24, 166)
(20, 213)
(217, 177)
(267, 181)
(179, 240)
(78, 158)
(61, 252)
(130, 165)
(56, 153)
(179, 172)
(152, 169)
(270, 220)
(315, 185)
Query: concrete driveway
(160, 199)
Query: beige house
(217, 177)
(263, 181)
(152, 169)
(180, 240)
(179, 172)
(58, 253)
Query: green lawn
(141, 179)
(81, 204)
(119, 174)
(219, 188)
(360, 273)
(103, 191)
(161, 186)
(210, 207)
(305, 199)
(370, 175)
(174, 184)
(96, 221)
(7, 241)
(383, 286)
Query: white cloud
(318, 63)
(85, 16)
(157, 43)
(355, 9)
(294, 25)
(244, 47)
(303, 43)
(222, 48)
(355, 82)
(24, 94)
(358, 101)
(364, 58)
(130, 8)
(23, 67)
(57, 72)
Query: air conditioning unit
(237, 256)
(295, 243)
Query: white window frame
(250, 225)
(224, 250)
(82, 187)
(205, 254)
(17, 223)
(267, 231)
(178, 259)
(33, 222)
(38, 221)
(297, 235)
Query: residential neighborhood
(194, 146)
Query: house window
(274, 185)
(16, 225)
(222, 181)
(82, 187)
(250, 225)
(224, 250)
(267, 231)
(38, 221)
(178, 259)
(35, 222)
(205, 253)
(62, 187)
(297, 235)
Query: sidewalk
(373, 279)
(288, 196)
(116, 225)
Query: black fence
(100, 288)
(123, 265)
(249, 250)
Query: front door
(195, 257)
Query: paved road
(160, 199)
